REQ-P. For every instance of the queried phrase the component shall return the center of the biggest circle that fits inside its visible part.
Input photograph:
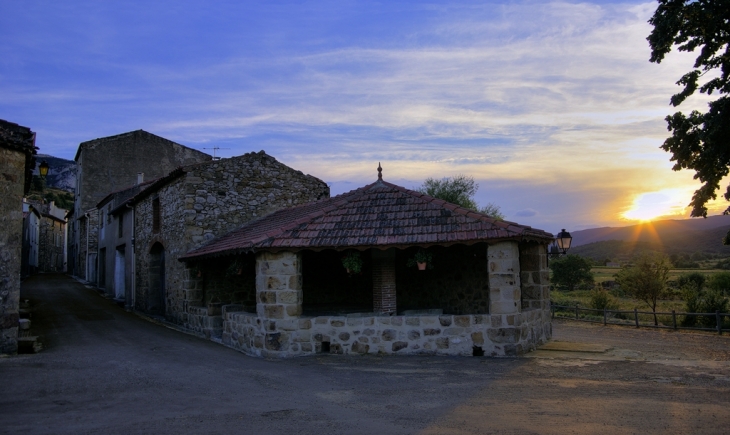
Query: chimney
(140, 178)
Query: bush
(601, 299)
(720, 282)
(703, 301)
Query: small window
(120, 220)
(156, 215)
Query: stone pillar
(278, 285)
(384, 281)
(504, 278)
(534, 276)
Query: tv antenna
(214, 150)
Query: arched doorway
(156, 295)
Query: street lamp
(43, 169)
(562, 244)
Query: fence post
(636, 316)
(719, 322)
(576, 312)
(604, 316)
(674, 319)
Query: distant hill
(62, 172)
(686, 236)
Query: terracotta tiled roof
(378, 215)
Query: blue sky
(553, 107)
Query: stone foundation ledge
(478, 334)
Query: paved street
(104, 370)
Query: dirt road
(107, 371)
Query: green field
(602, 273)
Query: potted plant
(422, 259)
(235, 268)
(352, 262)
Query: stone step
(29, 345)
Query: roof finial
(380, 172)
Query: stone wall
(276, 331)
(481, 334)
(534, 276)
(208, 201)
(51, 243)
(12, 178)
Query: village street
(104, 370)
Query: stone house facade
(193, 205)
(116, 243)
(17, 160)
(31, 234)
(110, 164)
(287, 293)
(52, 239)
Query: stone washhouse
(276, 286)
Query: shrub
(601, 299)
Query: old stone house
(17, 160)
(31, 235)
(276, 286)
(110, 164)
(52, 241)
(116, 243)
(191, 206)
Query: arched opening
(156, 296)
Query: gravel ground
(107, 371)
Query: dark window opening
(477, 351)
(325, 347)
(120, 227)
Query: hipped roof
(379, 215)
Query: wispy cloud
(553, 107)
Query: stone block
(305, 324)
(496, 321)
(462, 321)
(273, 311)
(454, 331)
(275, 283)
(414, 335)
(368, 332)
(503, 307)
(389, 334)
(295, 282)
(294, 310)
(399, 345)
(442, 343)
(288, 297)
(445, 320)
(306, 347)
(396, 320)
(358, 347)
(504, 335)
(338, 322)
(413, 321)
(267, 297)
(321, 320)
(477, 338)
(344, 336)
(431, 331)
(363, 339)
(354, 321)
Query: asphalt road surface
(106, 371)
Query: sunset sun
(652, 205)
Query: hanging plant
(422, 259)
(235, 268)
(352, 262)
(196, 271)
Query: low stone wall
(494, 335)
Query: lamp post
(561, 245)
(43, 169)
